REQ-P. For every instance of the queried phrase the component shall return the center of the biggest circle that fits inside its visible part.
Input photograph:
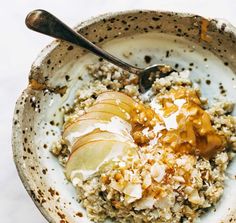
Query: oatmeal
(157, 157)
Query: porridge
(154, 157)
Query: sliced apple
(108, 95)
(98, 135)
(89, 158)
(109, 108)
(101, 116)
(117, 102)
(105, 116)
(80, 128)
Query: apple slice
(98, 135)
(80, 128)
(117, 102)
(116, 96)
(101, 116)
(105, 116)
(89, 158)
(109, 108)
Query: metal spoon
(46, 23)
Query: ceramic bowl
(207, 47)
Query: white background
(19, 47)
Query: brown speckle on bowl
(147, 59)
(70, 48)
(79, 214)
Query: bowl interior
(60, 71)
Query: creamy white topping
(170, 121)
(116, 125)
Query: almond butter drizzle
(194, 134)
(35, 85)
(143, 117)
(204, 28)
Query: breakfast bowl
(206, 48)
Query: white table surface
(19, 47)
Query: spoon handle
(46, 23)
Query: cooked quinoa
(160, 185)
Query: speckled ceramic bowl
(206, 47)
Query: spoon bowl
(151, 73)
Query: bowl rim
(49, 48)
